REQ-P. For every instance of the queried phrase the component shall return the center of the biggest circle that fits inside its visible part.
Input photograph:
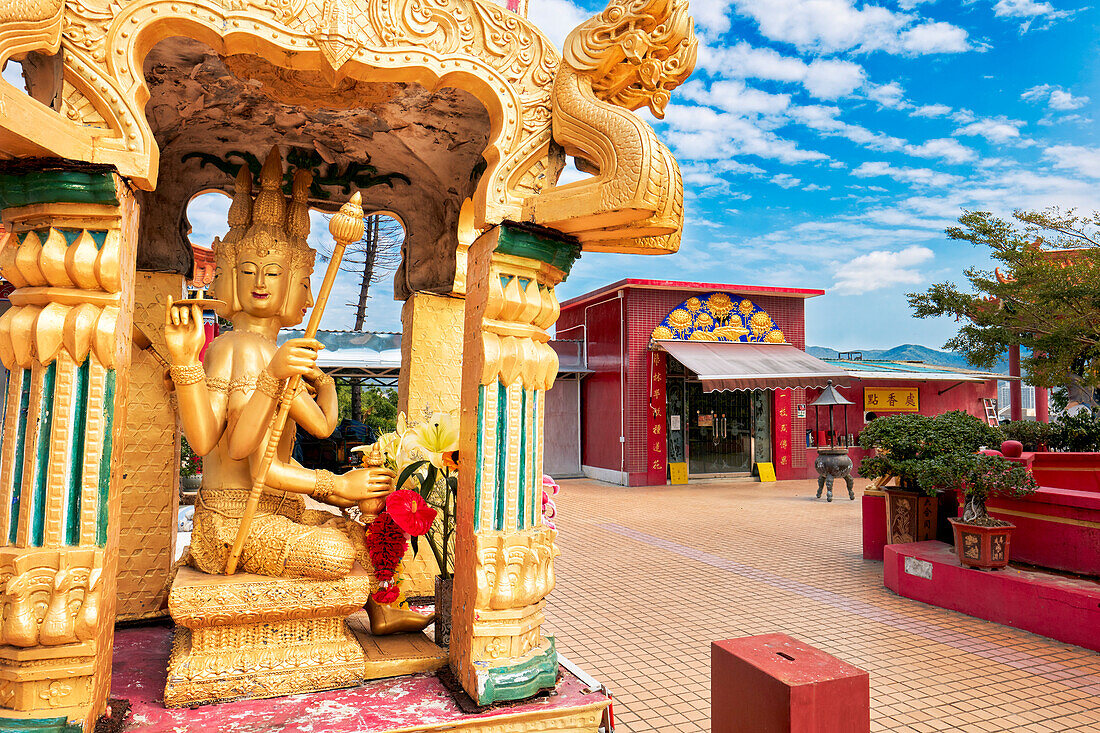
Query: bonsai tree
(978, 477)
(905, 444)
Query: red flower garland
(386, 545)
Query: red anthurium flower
(387, 594)
(410, 512)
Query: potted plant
(904, 445)
(981, 541)
(190, 473)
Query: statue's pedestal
(251, 636)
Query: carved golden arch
(474, 45)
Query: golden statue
(251, 511)
(226, 403)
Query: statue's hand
(184, 334)
(295, 357)
(367, 487)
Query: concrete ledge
(606, 475)
(1066, 609)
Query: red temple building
(703, 380)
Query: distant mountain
(908, 352)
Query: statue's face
(222, 288)
(300, 298)
(262, 283)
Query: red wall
(966, 397)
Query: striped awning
(729, 366)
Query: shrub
(1080, 432)
(1034, 435)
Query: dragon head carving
(635, 52)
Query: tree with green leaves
(1043, 295)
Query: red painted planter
(982, 547)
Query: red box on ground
(774, 683)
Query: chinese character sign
(656, 446)
(782, 427)
(891, 399)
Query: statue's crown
(269, 223)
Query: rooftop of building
(641, 284)
(915, 370)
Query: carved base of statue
(252, 636)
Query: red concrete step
(1062, 608)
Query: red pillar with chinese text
(656, 443)
(781, 438)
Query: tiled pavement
(648, 577)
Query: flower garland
(387, 538)
(386, 545)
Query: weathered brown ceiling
(205, 108)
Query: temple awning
(729, 366)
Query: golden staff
(346, 227)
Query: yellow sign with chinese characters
(890, 399)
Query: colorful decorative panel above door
(719, 317)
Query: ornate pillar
(431, 373)
(504, 555)
(66, 343)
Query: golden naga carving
(50, 597)
(631, 55)
(515, 570)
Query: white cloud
(824, 120)
(1030, 12)
(701, 133)
(832, 79)
(918, 176)
(734, 96)
(944, 148)
(1055, 98)
(1021, 8)
(815, 187)
(932, 110)
(998, 130)
(821, 78)
(1081, 160)
(832, 26)
(1065, 101)
(785, 180)
(881, 269)
(888, 95)
(934, 38)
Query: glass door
(719, 431)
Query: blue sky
(828, 143)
